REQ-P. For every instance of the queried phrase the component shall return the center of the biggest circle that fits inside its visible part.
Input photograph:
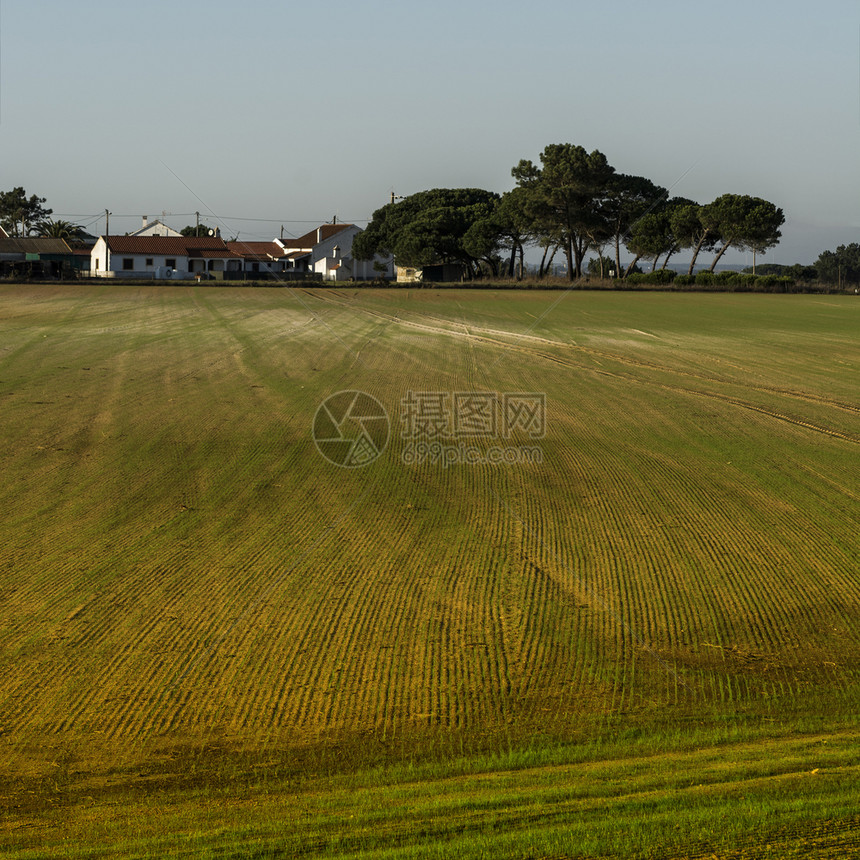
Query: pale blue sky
(297, 112)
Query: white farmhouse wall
(324, 251)
(99, 265)
(154, 228)
(97, 258)
(341, 266)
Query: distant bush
(797, 272)
(685, 280)
(660, 278)
(742, 282)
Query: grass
(548, 801)
(214, 641)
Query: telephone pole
(107, 243)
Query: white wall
(155, 228)
(324, 259)
(98, 268)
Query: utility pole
(197, 225)
(107, 243)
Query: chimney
(145, 220)
(319, 235)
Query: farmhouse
(327, 251)
(162, 257)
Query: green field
(215, 642)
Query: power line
(203, 216)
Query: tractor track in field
(483, 335)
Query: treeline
(726, 280)
(573, 203)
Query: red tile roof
(180, 246)
(215, 247)
(264, 251)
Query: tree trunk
(696, 253)
(522, 263)
(632, 264)
(542, 270)
(551, 257)
(654, 263)
(580, 248)
(568, 252)
(720, 254)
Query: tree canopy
(628, 199)
(567, 189)
(650, 237)
(841, 265)
(516, 226)
(692, 232)
(192, 230)
(743, 222)
(443, 225)
(21, 215)
(61, 229)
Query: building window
(170, 262)
(128, 264)
(149, 262)
(255, 267)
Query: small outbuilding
(38, 256)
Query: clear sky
(262, 113)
